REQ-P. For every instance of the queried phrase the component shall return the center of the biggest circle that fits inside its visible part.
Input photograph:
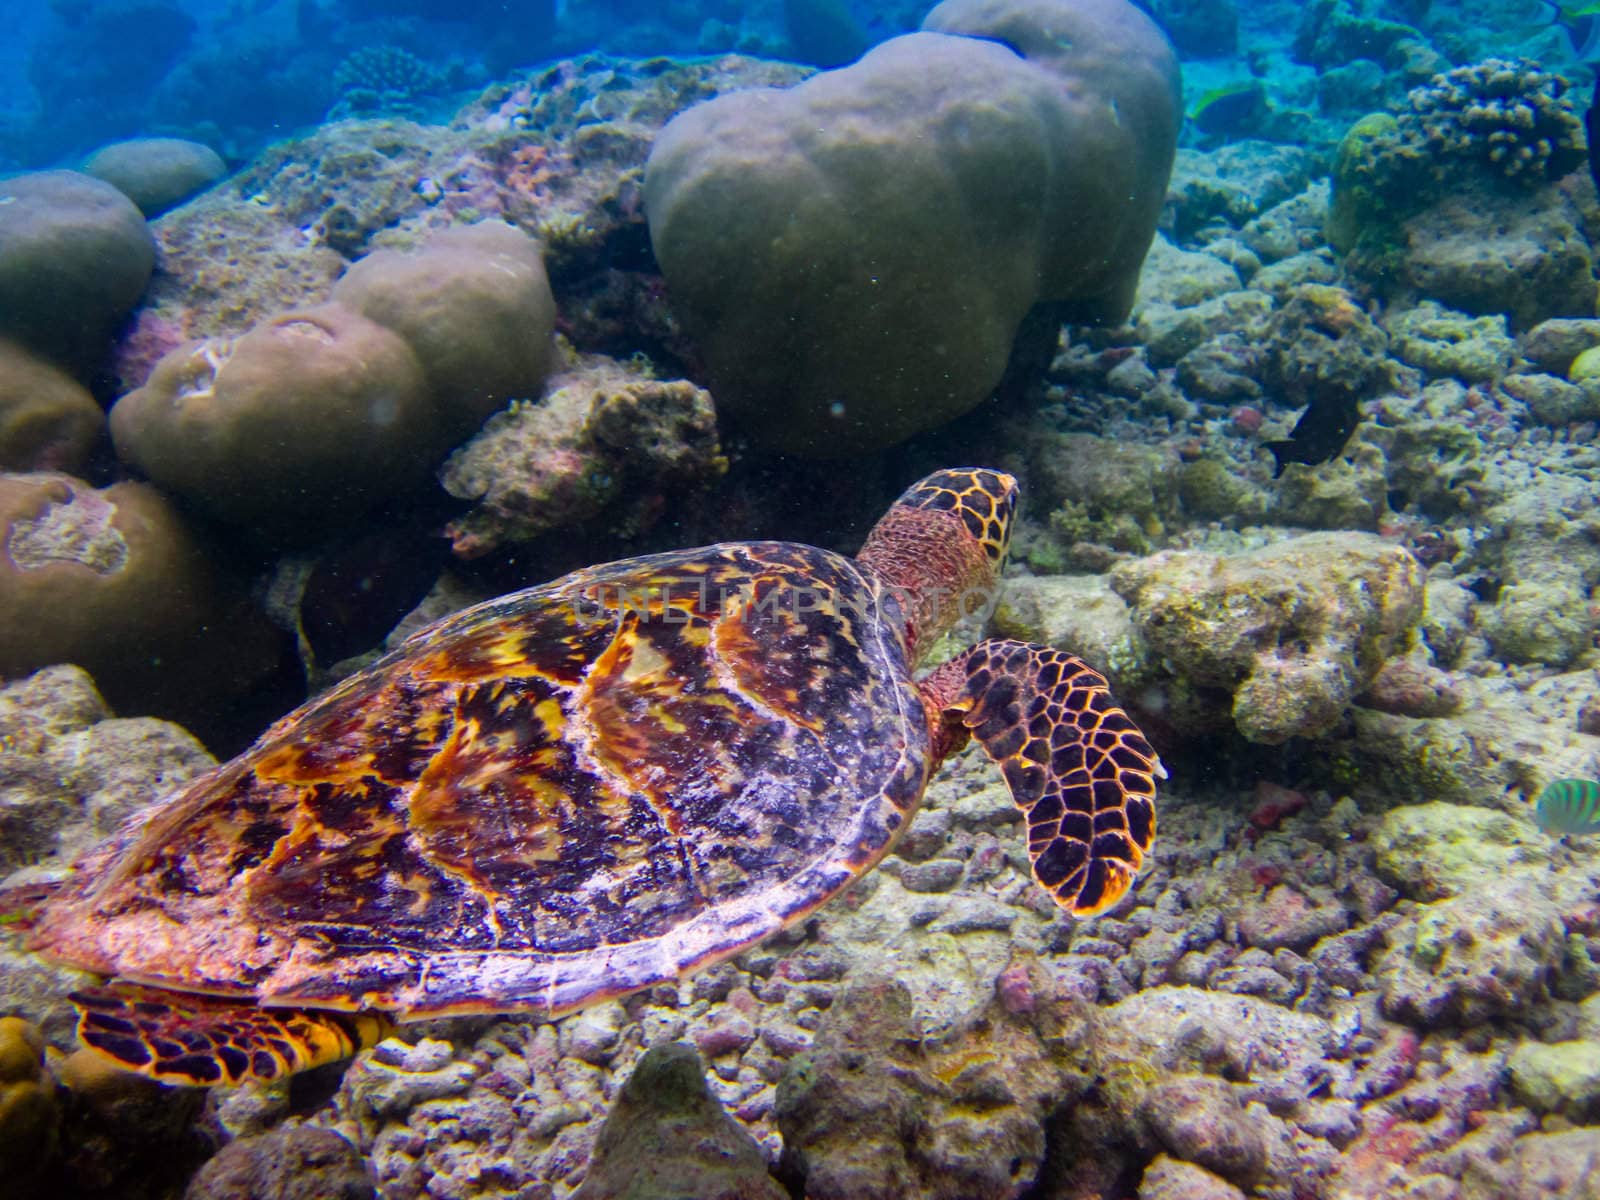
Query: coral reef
(1506, 116)
(1354, 965)
(474, 305)
(314, 417)
(110, 579)
(306, 417)
(385, 79)
(1456, 196)
(607, 442)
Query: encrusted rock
(1432, 851)
(1199, 1120)
(607, 441)
(1168, 1178)
(294, 1162)
(71, 772)
(1292, 631)
(1559, 1077)
(666, 1135)
(1488, 952)
(1286, 916)
(875, 1109)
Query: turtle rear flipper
(203, 1041)
(1076, 764)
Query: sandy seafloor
(1354, 965)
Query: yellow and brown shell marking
(569, 793)
(586, 788)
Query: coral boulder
(856, 255)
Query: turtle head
(942, 545)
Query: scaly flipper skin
(1076, 764)
(201, 1041)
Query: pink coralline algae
(1015, 989)
(150, 336)
(1273, 804)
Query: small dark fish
(1569, 806)
(1321, 432)
(1230, 109)
(1591, 132)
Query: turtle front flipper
(1077, 765)
(206, 1041)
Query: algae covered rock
(156, 173)
(1168, 1178)
(1451, 344)
(1199, 1119)
(874, 1109)
(1104, 491)
(75, 255)
(1349, 492)
(1156, 1034)
(1488, 952)
(1079, 614)
(1484, 253)
(1557, 1077)
(1291, 632)
(1028, 140)
(72, 772)
(1436, 850)
(608, 440)
(666, 1135)
(295, 1162)
(1563, 1164)
(1544, 540)
(1319, 345)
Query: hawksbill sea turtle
(587, 788)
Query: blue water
(75, 74)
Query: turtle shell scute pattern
(567, 793)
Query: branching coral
(1506, 123)
(384, 79)
(1508, 115)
